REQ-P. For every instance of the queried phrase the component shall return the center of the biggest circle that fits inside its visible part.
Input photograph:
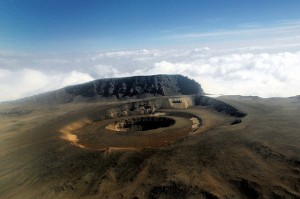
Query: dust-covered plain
(66, 151)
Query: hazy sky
(230, 47)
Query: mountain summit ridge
(164, 85)
(122, 88)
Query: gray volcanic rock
(218, 106)
(163, 85)
(122, 88)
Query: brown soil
(65, 151)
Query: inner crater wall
(146, 107)
(181, 102)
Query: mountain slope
(122, 88)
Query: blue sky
(101, 25)
(243, 47)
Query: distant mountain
(122, 88)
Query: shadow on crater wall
(144, 123)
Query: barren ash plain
(149, 137)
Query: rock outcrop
(164, 85)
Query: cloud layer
(27, 82)
(242, 72)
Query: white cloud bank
(27, 82)
(219, 72)
(265, 75)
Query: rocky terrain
(77, 142)
(121, 88)
(143, 123)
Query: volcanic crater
(148, 137)
(141, 124)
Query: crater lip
(141, 124)
(104, 134)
